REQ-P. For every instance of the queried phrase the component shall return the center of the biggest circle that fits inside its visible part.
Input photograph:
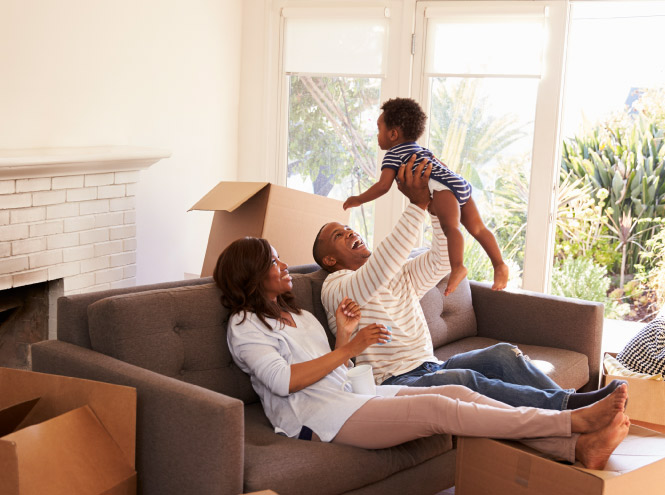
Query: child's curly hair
(406, 114)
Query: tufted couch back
(180, 330)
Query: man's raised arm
(391, 254)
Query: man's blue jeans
(501, 372)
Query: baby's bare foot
(500, 277)
(598, 415)
(456, 276)
(593, 450)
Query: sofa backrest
(452, 317)
(179, 330)
(449, 319)
(72, 315)
(179, 333)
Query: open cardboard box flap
(69, 435)
(288, 218)
(228, 196)
(12, 416)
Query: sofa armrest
(525, 317)
(189, 439)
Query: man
(388, 287)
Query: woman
(300, 380)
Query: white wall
(155, 73)
(257, 120)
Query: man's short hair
(316, 250)
(406, 114)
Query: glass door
(334, 65)
(479, 73)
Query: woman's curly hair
(406, 114)
(240, 272)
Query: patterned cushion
(615, 368)
(645, 353)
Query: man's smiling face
(342, 247)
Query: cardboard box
(646, 400)
(289, 219)
(61, 435)
(499, 467)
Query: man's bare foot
(500, 277)
(598, 415)
(593, 450)
(456, 276)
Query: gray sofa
(200, 427)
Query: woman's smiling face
(277, 280)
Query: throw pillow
(645, 353)
(614, 368)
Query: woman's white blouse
(267, 355)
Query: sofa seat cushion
(179, 332)
(569, 369)
(291, 466)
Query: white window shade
(497, 45)
(336, 46)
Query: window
(479, 77)
(334, 63)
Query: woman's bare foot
(500, 277)
(456, 276)
(593, 450)
(598, 415)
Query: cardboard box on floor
(510, 468)
(646, 400)
(64, 436)
(289, 219)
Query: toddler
(400, 125)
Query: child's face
(385, 136)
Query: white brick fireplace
(69, 213)
(67, 225)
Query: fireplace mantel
(54, 162)
(69, 213)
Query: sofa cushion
(449, 318)
(278, 462)
(179, 332)
(645, 352)
(569, 369)
(307, 291)
(73, 309)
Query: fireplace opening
(27, 315)
(8, 309)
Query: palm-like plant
(628, 161)
(462, 133)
